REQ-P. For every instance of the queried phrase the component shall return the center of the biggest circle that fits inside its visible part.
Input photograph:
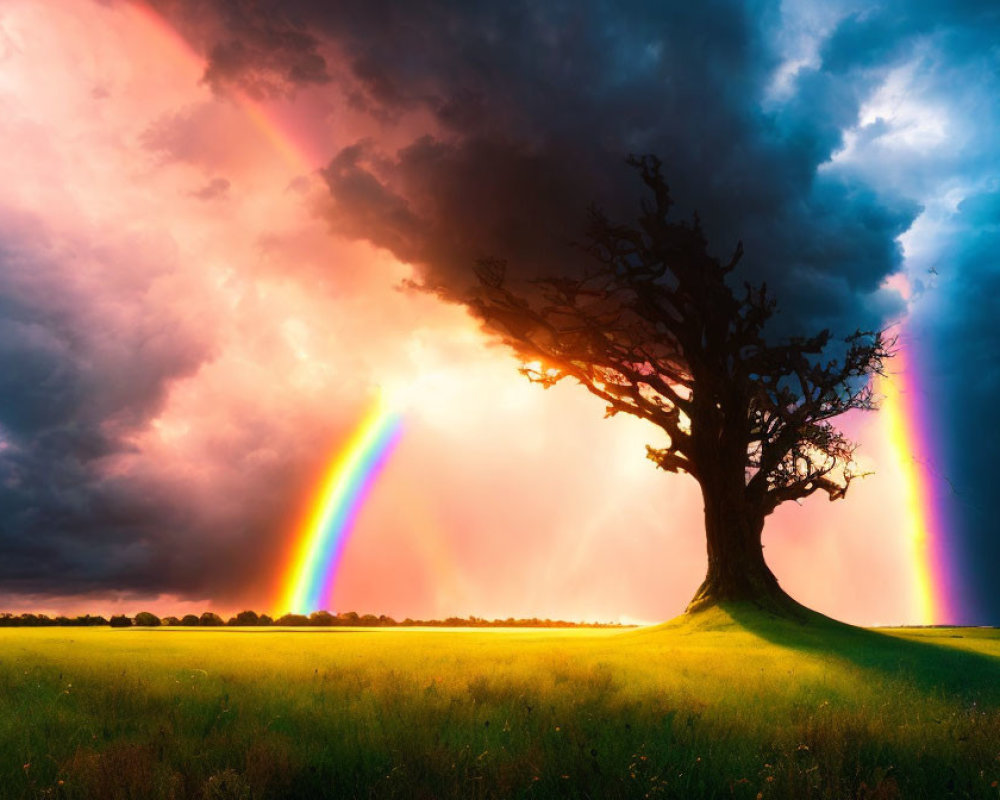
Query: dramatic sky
(213, 216)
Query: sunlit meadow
(728, 704)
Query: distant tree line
(318, 619)
(43, 621)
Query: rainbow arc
(912, 440)
(291, 152)
(321, 539)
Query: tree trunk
(736, 567)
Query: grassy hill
(729, 703)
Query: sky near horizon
(213, 217)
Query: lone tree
(653, 329)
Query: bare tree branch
(651, 327)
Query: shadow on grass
(929, 665)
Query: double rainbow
(320, 541)
(309, 578)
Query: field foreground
(727, 704)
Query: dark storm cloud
(85, 362)
(96, 326)
(263, 47)
(535, 107)
(66, 369)
(883, 33)
(958, 322)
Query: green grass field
(729, 704)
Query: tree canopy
(651, 325)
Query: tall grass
(728, 705)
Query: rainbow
(912, 437)
(293, 153)
(319, 544)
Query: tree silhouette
(292, 620)
(247, 617)
(653, 329)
